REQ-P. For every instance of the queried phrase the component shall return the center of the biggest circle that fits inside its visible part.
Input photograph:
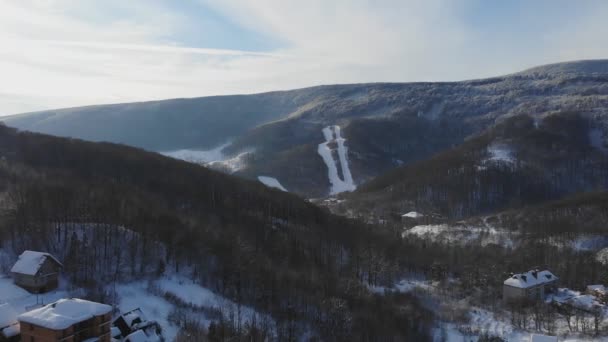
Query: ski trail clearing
(338, 184)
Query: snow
(271, 182)
(138, 336)
(500, 153)
(543, 338)
(29, 262)
(338, 184)
(231, 165)
(601, 289)
(64, 313)
(576, 299)
(199, 296)
(214, 158)
(135, 295)
(199, 156)
(413, 214)
(461, 234)
(8, 321)
(530, 278)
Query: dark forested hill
(521, 161)
(384, 125)
(309, 270)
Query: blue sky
(61, 53)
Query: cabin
(531, 285)
(9, 326)
(73, 320)
(36, 272)
(135, 321)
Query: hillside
(521, 161)
(384, 125)
(117, 214)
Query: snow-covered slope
(199, 156)
(339, 183)
(271, 182)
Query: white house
(533, 284)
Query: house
(532, 285)
(9, 326)
(543, 338)
(36, 272)
(134, 321)
(72, 320)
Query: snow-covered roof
(530, 279)
(132, 316)
(543, 338)
(64, 313)
(413, 214)
(29, 262)
(9, 326)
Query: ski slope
(339, 183)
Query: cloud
(59, 53)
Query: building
(9, 326)
(36, 272)
(534, 285)
(133, 324)
(69, 320)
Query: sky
(65, 53)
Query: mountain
(116, 214)
(521, 161)
(383, 125)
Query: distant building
(72, 320)
(36, 272)
(133, 324)
(9, 326)
(534, 285)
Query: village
(524, 295)
(67, 319)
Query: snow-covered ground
(586, 242)
(231, 165)
(136, 295)
(500, 153)
(214, 158)
(461, 234)
(199, 156)
(271, 182)
(338, 183)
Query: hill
(116, 213)
(384, 125)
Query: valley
(382, 211)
